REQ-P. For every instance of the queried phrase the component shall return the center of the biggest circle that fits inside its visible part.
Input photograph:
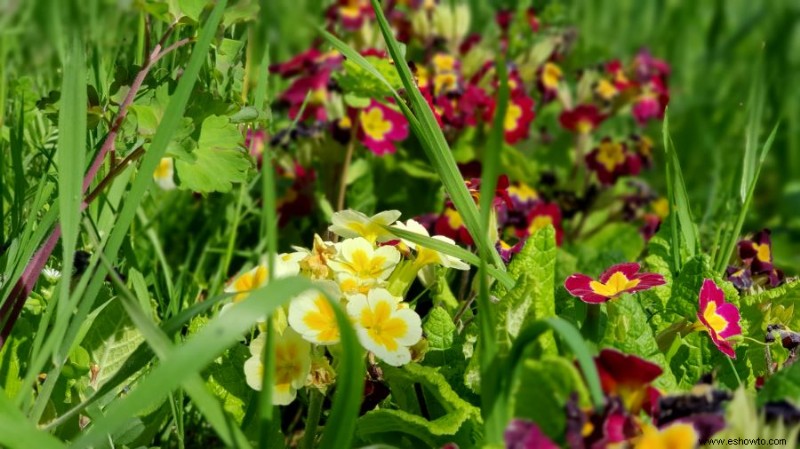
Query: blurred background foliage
(715, 49)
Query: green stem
(312, 421)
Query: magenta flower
(611, 159)
(381, 127)
(619, 279)
(522, 434)
(720, 318)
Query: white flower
(292, 365)
(165, 174)
(426, 256)
(385, 325)
(51, 274)
(349, 223)
(312, 315)
(358, 258)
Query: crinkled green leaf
(439, 329)
(14, 355)
(544, 386)
(629, 332)
(533, 297)
(219, 161)
(111, 340)
(454, 423)
(789, 289)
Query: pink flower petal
(628, 269)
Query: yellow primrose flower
(285, 265)
(427, 256)
(357, 257)
(354, 285)
(312, 315)
(164, 174)
(292, 365)
(349, 223)
(385, 325)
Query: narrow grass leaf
(452, 250)
(17, 432)
(71, 155)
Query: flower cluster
(755, 264)
(366, 274)
(635, 415)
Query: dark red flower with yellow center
(450, 224)
(619, 279)
(519, 115)
(541, 215)
(582, 120)
(380, 127)
(628, 377)
(351, 14)
(719, 318)
(550, 76)
(611, 159)
(757, 252)
(740, 277)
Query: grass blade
(70, 157)
(680, 209)
(452, 250)
(17, 432)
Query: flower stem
(316, 398)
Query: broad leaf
(219, 161)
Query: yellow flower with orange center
(385, 326)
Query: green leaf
(225, 378)
(544, 386)
(193, 8)
(784, 385)
(533, 297)
(16, 431)
(219, 158)
(386, 425)
(360, 83)
(71, 155)
(622, 237)
(439, 329)
(679, 207)
(791, 288)
(683, 299)
(629, 332)
(111, 340)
